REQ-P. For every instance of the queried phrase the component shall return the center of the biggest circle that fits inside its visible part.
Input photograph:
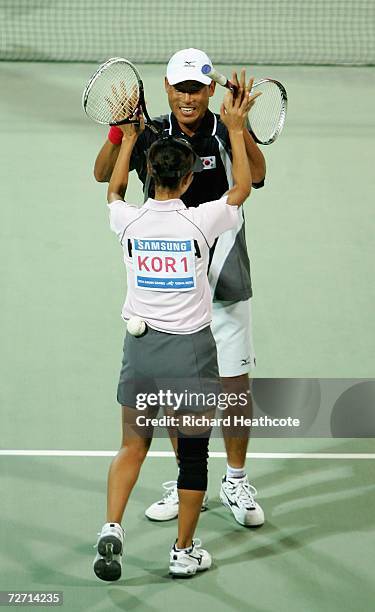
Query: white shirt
(166, 253)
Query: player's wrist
(129, 140)
(235, 132)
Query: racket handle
(213, 74)
(209, 71)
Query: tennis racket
(267, 117)
(114, 95)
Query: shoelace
(170, 491)
(244, 492)
(197, 543)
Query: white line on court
(212, 454)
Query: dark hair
(170, 159)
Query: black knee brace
(192, 455)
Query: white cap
(186, 65)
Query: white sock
(235, 472)
(188, 549)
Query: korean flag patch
(209, 163)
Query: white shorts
(232, 329)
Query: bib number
(164, 265)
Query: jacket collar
(164, 205)
(207, 127)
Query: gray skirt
(172, 371)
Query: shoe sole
(171, 518)
(182, 573)
(187, 572)
(109, 539)
(107, 568)
(225, 503)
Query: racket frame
(141, 104)
(222, 80)
(282, 117)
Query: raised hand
(234, 109)
(135, 128)
(123, 104)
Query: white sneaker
(188, 562)
(108, 561)
(167, 508)
(238, 495)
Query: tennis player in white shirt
(166, 253)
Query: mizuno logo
(245, 361)
(189, 64)
(231, 503)
(199, 559)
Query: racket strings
(267, 114)
(113, 94)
